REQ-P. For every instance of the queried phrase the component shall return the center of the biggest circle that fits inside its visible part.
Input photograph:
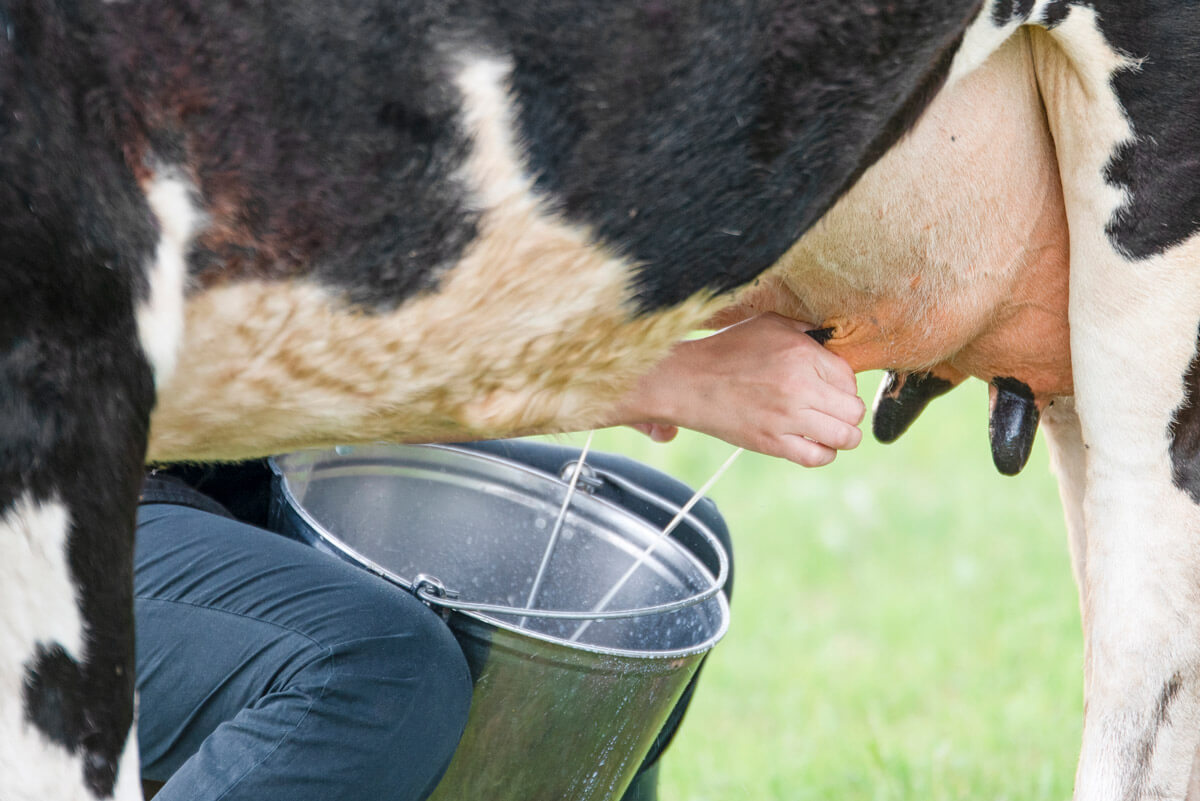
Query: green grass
(904, 623)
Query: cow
(229, 229)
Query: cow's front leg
(77, 338)
(75, 398)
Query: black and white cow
(231, 228)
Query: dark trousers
(269, 670)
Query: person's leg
(551, 459)
(268, 670)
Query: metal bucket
(568, 696)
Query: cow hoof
(1012, 424)
(901, 399)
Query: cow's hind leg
(1134, 311)
(1139, 615)
(1068, 458)
(1142, 567)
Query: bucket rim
(421, 589)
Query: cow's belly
(951, 253)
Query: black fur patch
(1005, 12)
(1185, 433)
(703, 137)
(1055, 12)
(324, 136)
(54, 696)
(1144, 750)
(60, 699)
(1160, 168)
(73, 430)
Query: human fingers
(830, 367)
(825, 430)
(656, 431)
(835, 371)
(804, 452)
(837, 403)
(662, 433)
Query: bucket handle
(435, 594)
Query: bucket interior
(481, 525)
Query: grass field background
(905, 623)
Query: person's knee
(446, 681)
(409, 690)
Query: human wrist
(656, 397)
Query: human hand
(658, 432)
(762, 384)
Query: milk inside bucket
(568, 695)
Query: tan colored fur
(533, 330)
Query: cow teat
(1012, 424)
(1013, 411)
(901, 398)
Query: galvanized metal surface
(551, 719)
(550, 723)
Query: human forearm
(762, 384)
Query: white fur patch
(34, 769)
(983, 37)
(980, 40)
(1133, 334)
(39, 605)
(37, 593)
(1068, 459)
(494, 169)
(129, 773)
(160, 318)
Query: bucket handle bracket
(427, 588)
